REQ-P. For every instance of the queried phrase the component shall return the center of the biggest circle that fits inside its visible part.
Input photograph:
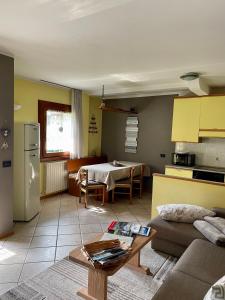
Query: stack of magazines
(128, 229)
(106, 253)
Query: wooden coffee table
(97, 278)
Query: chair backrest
(83, 177)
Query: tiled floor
(62, 225)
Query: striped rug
(63, 280)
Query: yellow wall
(94, 141)
(174, 190)
(28, 92)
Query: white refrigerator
(26, 171)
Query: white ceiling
(128, 45)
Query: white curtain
(76, 106)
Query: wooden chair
(124, 184)
(89, 185)
(73, 166)
(138, 181)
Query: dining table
(108, 173)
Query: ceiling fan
(106, 108)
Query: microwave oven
(183, 159)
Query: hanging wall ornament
(92, 125)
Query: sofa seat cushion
(179, 233)
(203, 260)
(180, 286)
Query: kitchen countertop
(199, 168)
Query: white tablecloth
(108, 174)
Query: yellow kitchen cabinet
(186, 117)
(185, 173)
(212, 118)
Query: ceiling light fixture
(190, 76)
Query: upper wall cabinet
(212, 118)
(186, 116)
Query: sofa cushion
(180, 286)
(167, 247)
(186, 213)
(179, 233)
(217, 290)
(212, 234)
(203, 260)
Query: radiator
(55, 177)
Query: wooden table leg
(134, 263)
(97, 286)
(106, 195)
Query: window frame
(43, 106)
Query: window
(55, 133)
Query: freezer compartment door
(31, 136)
(32, 184)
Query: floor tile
(12, 256)
(68, 214)
(41, 254)
(69, 229)
(64, 251)
(68, 221)
(32, 269)
(21, 230)
(89, 220)
(105, 226)
(4, 287)
(90, 228)
(47, 222)
(68, 239)
(2, 241)
(88, 237)
(10, 273)
(43, 241)
(17, 242)
(46, 230)
(109, 218)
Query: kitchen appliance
(183, 159)
(26, 202)
(208, 175)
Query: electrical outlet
(162, 155)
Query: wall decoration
(92, 125)
(4, 133)
(131, 134)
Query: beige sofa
(201, 263)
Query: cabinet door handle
(33, 155)
(33, 144)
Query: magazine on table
(128, 229)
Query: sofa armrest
(220, 212)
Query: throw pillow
(183, 212)
(218, 222)
(217, 291)
(210, 232)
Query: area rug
(62, 280)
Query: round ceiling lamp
(190, 76)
